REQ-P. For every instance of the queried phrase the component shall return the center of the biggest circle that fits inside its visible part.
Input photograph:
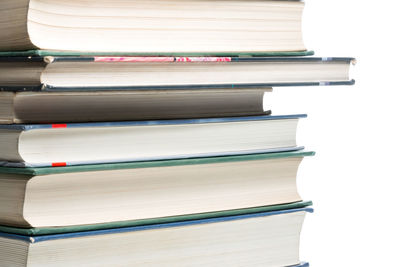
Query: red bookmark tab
(59, 164)
(58, 126)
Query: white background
(354, 180)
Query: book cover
(43, 53)
(29, 127)
(151, 164)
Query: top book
(156, 27)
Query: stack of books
(133, 132)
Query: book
(128, 105)
(156, 27)
(258, 239)
(105, 193)
(90, 143)
(117, 73)
(43, 231)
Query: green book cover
(150, 164)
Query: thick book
(106, 193)
(128, 105)
(268, 239)
(89, 143)
(55, 73)
(156, 27)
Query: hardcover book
(269, 238)
(128, 105)
(105, 193)
(90, 143)
(156, 27)
(122, 73)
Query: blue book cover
(28, 127)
